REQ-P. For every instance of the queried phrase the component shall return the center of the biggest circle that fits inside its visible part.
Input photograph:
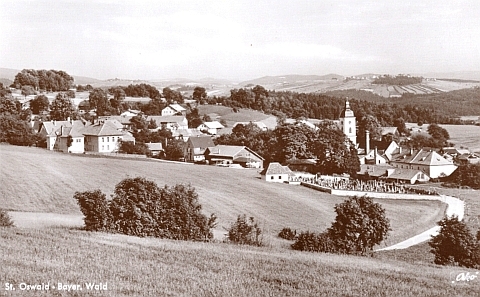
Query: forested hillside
(441, 108)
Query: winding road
(455, 206)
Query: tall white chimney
(367, 141)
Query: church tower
(348, 123)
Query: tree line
(48, 80)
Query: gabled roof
(374, 170)
(156, 146)
(277, 168)
(123, 119)
(421, 157)
(53, 128)
(186, 133)
(213, 125)
(177, 107)
(389, 130)
(201, 142)
(102, 129)
(229, 151)
(405, 174)
(166, 119)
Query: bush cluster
(140, 208)
(288, 234)
(245, 231)
(5, 220)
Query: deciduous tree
(455, 245)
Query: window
(103, 139)
(350, 130)
(108, 139)
(103, 148)
(271, 177)
(279, 177)
(108, 147)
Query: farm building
(173, 109)
(210, 127)
(232, 154)
(195, 148)
(429, 162)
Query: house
(195, 148)
(174, 109)
(390, 131)
(276, 173)
(155, 148)
(56, 129)
(185, 134)
(375, 171)
(304, 165)
(455, 152)
(123, 120)
(259, 124)
(231, 154)
(405, 175)
(429, 162)
(131, 113)
(170, 122)
(471, 158)
(102, 137)
(210, 127)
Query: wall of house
(276, 178)
(438, 171)
(51, 142)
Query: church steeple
(348, 123)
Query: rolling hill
(37, 180)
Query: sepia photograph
(239, 148)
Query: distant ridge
(288, 79)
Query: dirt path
(455, 207)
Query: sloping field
(37, 180)
(131, 266)
(467, 136)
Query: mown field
(36, 180)
(467, 136)
(131, 266)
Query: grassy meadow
(36, 180)
(467, 136)
(133, 266)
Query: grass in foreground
(145, 266)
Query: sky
(239, 40)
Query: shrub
(455, 245)
(5, 220)
(312, 242)
(360, 224)
(141, 208)
(287, 233)
(94, 206)
(245, 231)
